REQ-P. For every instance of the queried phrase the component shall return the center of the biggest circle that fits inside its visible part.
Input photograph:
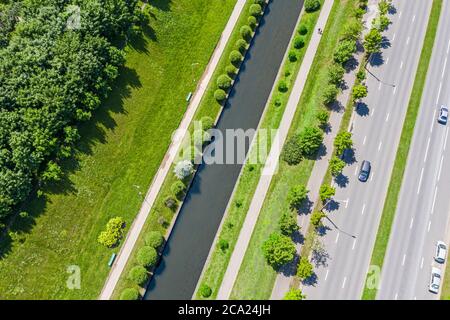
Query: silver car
(443, 115)
(441, 252)
(435, 281)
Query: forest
(58, 59)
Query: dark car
(364, 172)
(443, 115)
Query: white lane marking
(343, 282)
(326, 275)
(448, 47)
(411, 224)
(373, 111)
(371, 175)
(346, 203)
(364, 141)
(434, 200)
(443, 70)
(404, 259)
(400, 15)
(393, 37)
(440, 167)
(401, 65)
(396, 296)
(379, 87)
(354, 243)
(363, 208)
(387, 60)
(421, 264)
(395, 90)
(426, 151)
(414, 18)
(446, 136)
(337, 238)
(420, 182)
(379, 146)
(429, 226)
(387, 117)
(407, 40)
(356, 170)
(432, 121)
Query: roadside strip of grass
(256, 278)
(390, 204)
(238, 206)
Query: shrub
(292, 55)
(302, 29)
(294, 294)
(383, 23)
(171, 203)
(154, 239)
(312, 5)
(292, 153)
(129, 294)
(288, 224)
(205, 290)
(282, 86)
(246, 32)
(342, 142)
(260, 2)
(231, 71)
(113, 233)
(352, 29)
(358, 92)
(297, 195)
(252, 21)
(207, 123)
(316, 218)
(224, 82)
(299, 42)
(235, 58)
(344, 51)
(241, 45)
(361, 75)
(323, 117)
(220, 95)
(278, 250)
(138, 275)
(372, 41)
(304, 269)
(326, 192)
(223, 245)
(336, 166)
(147, 256)
(329, 94)
(255, 10)
(277, 102)
(183, 169)
(336, 74)
(178, 188)
(310, 140)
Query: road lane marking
(421, 264)
(387, 60)
(393, 38)
(364, 141)
(446, 136)
(429, 226)
(414, 18)
(420, 181)
(404, 259)
(363, 208)
(373, 111)
(401, 65)
(387, 117)
(356, 170)
(379, 146)
(337, 238)
(443, 70)
(343, 282)
(407, 40)
(400, 15)
(411, 224)
(396, 296)
(448, 47)
(371, 175)
(395, 90)
(434, 200)
(354, 243)
(326, 275)
(440, 167)
(346, 203)
(379, 87)
(426, 151)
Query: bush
(302, 30)
(304, 269)
(224, 81)
(299, 42)
(231, 71)
(147, 256)
(260, 2)
(207, 123)
(310, 140)
(372, 41)
(288, 224)
(255, 10)
(292, 55)
(235, 57)
(312, 5)
(223, 245)
(113, 233)
(154, 239)
(342, 142)
(205, 290)
(282, 86)
(129, 294)
(138, 275)
(183, 169)
(352, 29)
(278, 250)
(361, 75)
(252, 21)
(329, 94)
(220, 95)
(358, 92)
(316, 218)
(344, 51)
(246, 32)
(294, 294)
(336, 74)
(326, 192)
(292, 153)
(171, 203)
(241, 45)
(178, 188)
(323, 117)
(297, 195)
(336, 166)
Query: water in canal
(198, 221)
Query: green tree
(329, 94)
(224, 81)
(129, 294)
(304, 269)
(220, 95)
(342, 142)
(312, 5)
(138, 275)
(235, 58)
(278, 250)
(178, 188)
(316, 218)
(294, 294)
(326, 192)
(113, 233)
(297, 195)
(255, 10)
(336, 74)
(147, 256)
(352, 29)
(336, 166)
(372, 41)
(344, 51)
(205, 290)
(246, 32)
(292, 152)
(359, 92)
(154, 239)
(299, 42)
(310, 140)
(323, 116)
(288, 224)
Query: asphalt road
(348, 240)
(422, 216)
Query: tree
(205, 290)
(336, 166)
(336, 74)
(316, 218)
(154, 239)
(223, 245)
(220, 95)
(382, 23)
(113, 233)
(329, 94)
(372, 41)
(323, 117)
(297, 195)
(241, 45)
(352, 29)
(384, 6)
(255, 10)
(299, 42)
(294, 294)
(207, 123)
(310, 140)
(278, 250)
(147, 256)
(312, 5)
(302, 30)
(252, 21)
(344, 51)
(246, 32)
(129, 294)
(52, 173)
(235, 58)
(282, 86)
(292, 153)
(224, 81)
(358, 92)
(292, 56)
(183, 169)
(138, 275)
(304, 269)
(178, 188)
(342, 142)
(288, 224)
(326, 192)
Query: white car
(441, 252)
(435, 281)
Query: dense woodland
(53, 75)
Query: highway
(422, 216)
(351, 231)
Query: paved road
(349, 239)
(424, 204)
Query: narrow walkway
(163, 170)
(272, 160)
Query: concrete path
(272, 160)
(163, 170)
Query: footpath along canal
(198, 221)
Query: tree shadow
(332, 205)
(341, 180)
(348, 156)
(362, 109)
(298, 237)
(305, 207)
(386, 43)
(351, 64)
(310, 281)
(336, 106)
(320, 257)
(289, 269)
(164, 5)
(322, 230)
(376, 59)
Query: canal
(187, 248)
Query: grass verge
(395, 183)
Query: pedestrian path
(272, 160)
(163, 170)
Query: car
(435, 280)
(441, 252)
(443, 115)
(364, 172)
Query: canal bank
(199, 218)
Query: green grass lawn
(250, 175)
(390, 204)
(123, 146)
(256, 278)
